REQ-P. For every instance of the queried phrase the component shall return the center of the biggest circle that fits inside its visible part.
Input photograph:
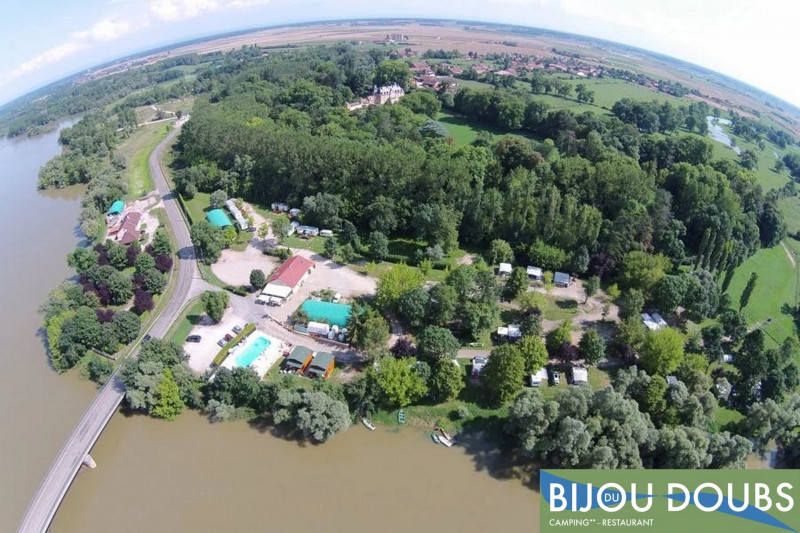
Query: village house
(287, 278)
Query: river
(189, 475)
(716, 132)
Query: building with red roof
(287, 278)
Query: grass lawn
(136, 150)
(560, 308)
(464, 130)
(725, 416)
(790, 207)
(186, 321)
(197, 206)
(774, 295)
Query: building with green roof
(116, 207)
(333, 314)
(218, 218)
(298, 359)
(321, 366)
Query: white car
(336, 298)
(556, 377)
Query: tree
(629, 337)
(446, 381)
(499, 252)
(702, 296)
(116, 254)
(437, 343)
(662, 351)
(161, 243)
(591, 287)
(153, 281)
(668, 293)
(413, 306)
(81, 259)
(168, 403)
(126, 325)
(516, 284)
(744, 299)
(532, 302)
(143, 301)
(479, 316)
(533, 352)
(631, 304)
(712, 341)
(592, 347)
(280, 227)
(394, 282)
(214, 304)
(389, 72)
(504, 373)
(443, 304)
(257, 278)
(331, 248)
(217, 199)
(367, 330)
(208, 239)
(558, 337)
(143, 263)
(734, 324)
(323, 210)
(642, 270)
(399, 384)
(378, 245)
(320, 417)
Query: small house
(727, 358)
(660, 322)
(535, 273)
(318, 328)
(580, 376)
(294, 212)
(504, 269)
(651, 323)
(298, 359)
(562, 280)
(671, 380)
(325, 233)
(307, 230)
(321, 366)
(538, 378)
(279, 207)
(511, 331)
(237, 214)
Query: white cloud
(170, 10)
(48, 57)
(105, 30)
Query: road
(57, 480)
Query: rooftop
(116, 207)
(291, 271)
(334, 314)
(321, 361)
(218, 218)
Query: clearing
(136, 150)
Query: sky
(756, 42)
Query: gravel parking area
(202, 354)
(235, 267)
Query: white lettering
(671, 505)
(699, 490)
(557, 495)
(620, 497)
(762, 495)
(790, 501)
(588, 505)
(746, 498)
(649, 500)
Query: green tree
(744, 299)
(662, 351)
(81, 259)
(153, 281)
(394, 282)
(413, 306)
(168, 403)
(631, 304)
(668, 293)
(209, 241)
(642, 270)
(592, 347)
(591, 287)
(504, 373)
(399, 384)
(560, 336)
(446, 380)
(320, 417)
(214, 304)
(161, 243)
(443, 304)
(533, 352)
(435, 343)
(734, 324)
(653, 401)
(331, 248)
(257, 278)
(389, 72)
(126, 325)
(143, 263)
(280, 227)
(516, 284)
(117, 255)
(367, 330)
(217, 199)
(378, 245)
(499, 252)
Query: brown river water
(189, 475)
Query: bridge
(75, 450)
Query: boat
(447, 436)
(401, 416)
(370, 426)
(444, 440)
(435, 438)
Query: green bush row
(223, 353)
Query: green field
(774, 295)
(790, 207)
(136, 150)
(189, 318)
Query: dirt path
(789, 254)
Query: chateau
(386, 94)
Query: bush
(238, 290)
(462, 413)
(223, 353)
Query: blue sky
(755, 41)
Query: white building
(580, 376)
(535, 273)
(504, 269)
(539, 377)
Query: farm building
(580, 376)
(333, 314)
(298, 359)
(562, 280)
(535, 273)
(288, 277)
(321, 366)
(116, 208)
(237, 214)
(504, 269)
(218, 218)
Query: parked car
(193, 338)
(228, 337)
(237, 329)
(478, 362)
(556, 377)
(221, 343)
(336, 298)
(146, 338)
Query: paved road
(56, 482)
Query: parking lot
(201, 354)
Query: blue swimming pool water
(252, 351)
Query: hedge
(223, 353)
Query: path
(789, 254)
(66, 465)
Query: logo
(673, 501)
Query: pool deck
(264, 361)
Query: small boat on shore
(435, 438)
(444, 440)
(369, 425)
(447, 436)
(401, 416)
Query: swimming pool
(250, 352)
